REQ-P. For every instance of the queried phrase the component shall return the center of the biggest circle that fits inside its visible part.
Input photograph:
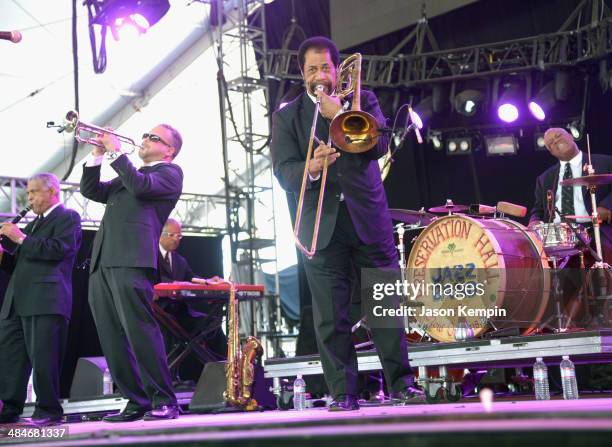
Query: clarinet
(18, 217)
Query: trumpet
(352, 131)
(72, 124)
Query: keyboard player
(190, 315)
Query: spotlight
(468, 102)
(459, 145)
(575, 128)
(423, 111)
(507, 109)
(501, 144)
(538, 139)
(543, 102)
(435, 137)
(431, 105)
(140, 14)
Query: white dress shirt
(579, 206)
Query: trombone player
(355, 227)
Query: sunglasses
(154, 138)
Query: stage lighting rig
(120, 14)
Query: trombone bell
(354, 131)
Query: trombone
(72, 124)
(352, 131)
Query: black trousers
(330, 276)
(33, 343)
(120, 300)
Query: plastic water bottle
(568, 379)
(107, 382)
(31, 394)
(540, 380)
(299, 393)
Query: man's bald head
(560, 144)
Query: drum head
(469, 269)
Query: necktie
(167, 259)
(37, 223)
(567, 193)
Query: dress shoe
(126, 415)
(46, 421)
(8, 418)
(162, 412)
(409, 395)
(344, 402)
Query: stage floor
(587, 421)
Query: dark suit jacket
(180, 269)
(549, 180)
(357, 176)
(41, 281)
(137, 206)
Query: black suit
(354, 232)
(35, 313)
(177, 270)
(549, 180)
(123, 270)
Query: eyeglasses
(154, 138)
(173, 235)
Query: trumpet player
(124, 263)
(355, 227)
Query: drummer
(568, 200)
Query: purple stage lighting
(537, 110)
(508, 112)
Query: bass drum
(474, 274)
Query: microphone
(13, 36)
(511, 209)
(415, 126)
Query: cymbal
(449, 209)
(411, 217)
(588, 180)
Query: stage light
(423, 111)
(538, 140)
(140, 14)
(507, 105)
(431, 105)
(575, 128)
(459, 145)
(543, 102)
(435, 137)
(501, 144)
(468, 102)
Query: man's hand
(110, 142)
(13, 232)
(330, 105)
(604, 214)
(315, 166)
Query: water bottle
(299, 393)
(107, 382)
(568, 379)
(540, 380)
(31, 394)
